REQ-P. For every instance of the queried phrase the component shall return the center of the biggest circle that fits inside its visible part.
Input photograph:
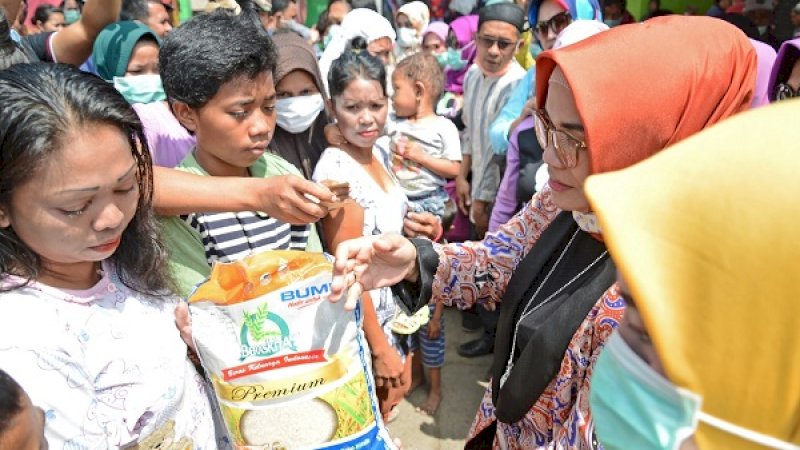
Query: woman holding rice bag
(87, 324)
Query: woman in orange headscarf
(659, 82)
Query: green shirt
(197, 240)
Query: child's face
(26, 429)
(405, 98)
(234, 128)
(73, 210)
(361, 112)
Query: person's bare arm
(341, 225)
(73, 44)
(282, 197)
(463, 195)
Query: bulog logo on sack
(264, 334)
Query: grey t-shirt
(439, 138)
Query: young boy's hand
(286, 198)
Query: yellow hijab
(706, 234)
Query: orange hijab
(642, 87)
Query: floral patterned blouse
(479, 272)
(108, 367)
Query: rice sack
(289, 368)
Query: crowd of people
(586, 189)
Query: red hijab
(642, 87)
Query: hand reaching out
(371, 262)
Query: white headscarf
(358, 22)
(419, 16)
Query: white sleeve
(451, 140)
(327, 167)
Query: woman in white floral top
(87, 324)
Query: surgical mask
(612, 22)
(407, 37)
(71, 16)
(634, 406)
(14, 35)
(140, 88)
(762, 30)
(297, 114)
(451, 59)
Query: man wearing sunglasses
(547, 19)
(487, 87)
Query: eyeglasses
(554, 24)
(784, 92)
(565, 144)
(489, 42)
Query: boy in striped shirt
(225, 95)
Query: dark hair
(136, 9)
(424, 68)
(281, 5)
(10, 52)
(210, 50)
(63, 4)
(10, 400)
(39, 104)
(356, 62)
(43, 13)
(366, 4)
(250, 12)
(323, 23)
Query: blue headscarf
(578, 9)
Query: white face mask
(296, 114)
(407, 37)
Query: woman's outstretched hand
(371, 262)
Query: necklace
(526, 312)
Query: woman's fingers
(353, 295)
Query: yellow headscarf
(706, 234)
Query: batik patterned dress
(560, 418)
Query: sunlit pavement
(463, 384)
